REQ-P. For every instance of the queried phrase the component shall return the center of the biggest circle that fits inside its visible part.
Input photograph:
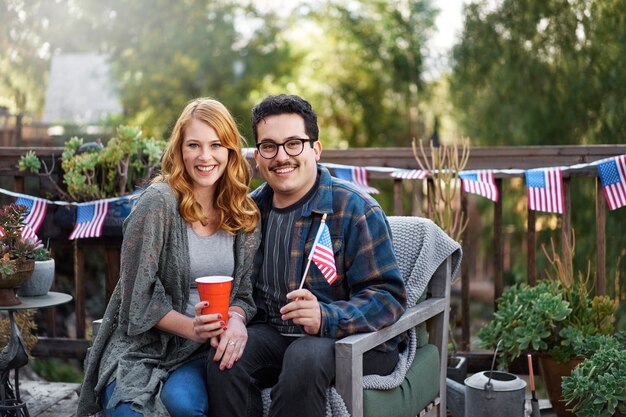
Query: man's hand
(304, 310)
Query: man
(290, 344)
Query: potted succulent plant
(16, 253)
(40, 281)
(548, 318)
(92, 171)
(597, 387)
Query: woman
(195, 219)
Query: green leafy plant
(42, 254)
(29, 162)
(550, 317)
(93, 171)
(597, 387)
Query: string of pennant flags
(90, 215)
(544, 190)
(544, 185)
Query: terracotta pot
(23, 271)
(552, 373)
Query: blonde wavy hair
(237, 210)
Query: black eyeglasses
(292, 147)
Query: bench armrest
(360, 343)
(349, 350)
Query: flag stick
(308, 264)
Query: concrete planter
(40, 281)
(457, 368)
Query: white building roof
(80, 90)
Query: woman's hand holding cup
(212, 311)
(216, 291)
(207, 326)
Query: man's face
(291, 177)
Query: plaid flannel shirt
(369, 292)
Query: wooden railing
(480, 158)
(21, 130)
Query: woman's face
(203, 155)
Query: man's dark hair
(285, 104)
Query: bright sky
(449, 24)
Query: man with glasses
(291, 339)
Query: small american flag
(480, 182)
(357, 176)
(613, 177)
(545, 190)
(34, 218)
(322, 254)
(410, 174)
(89, 220)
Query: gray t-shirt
(209, 255)
(271, 286)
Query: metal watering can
(487, 394)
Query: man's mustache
(282, 165)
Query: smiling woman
(195, 219)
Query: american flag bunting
(322, 254)
(612, 174)
(357, 176)
(410, 174)
(89, 220)
(480, 182)
(545, 190)
(37, 209)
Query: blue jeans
(184, 394)
(299, 370)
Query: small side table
(14, 355)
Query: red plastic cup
(215, 290)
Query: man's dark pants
(300, 370)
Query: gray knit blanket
(420, 246)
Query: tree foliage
(368, 62)
(166, 53)
(542, 72)
(547, 72)
(525, 72)
(30, 31)
(359, 63)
